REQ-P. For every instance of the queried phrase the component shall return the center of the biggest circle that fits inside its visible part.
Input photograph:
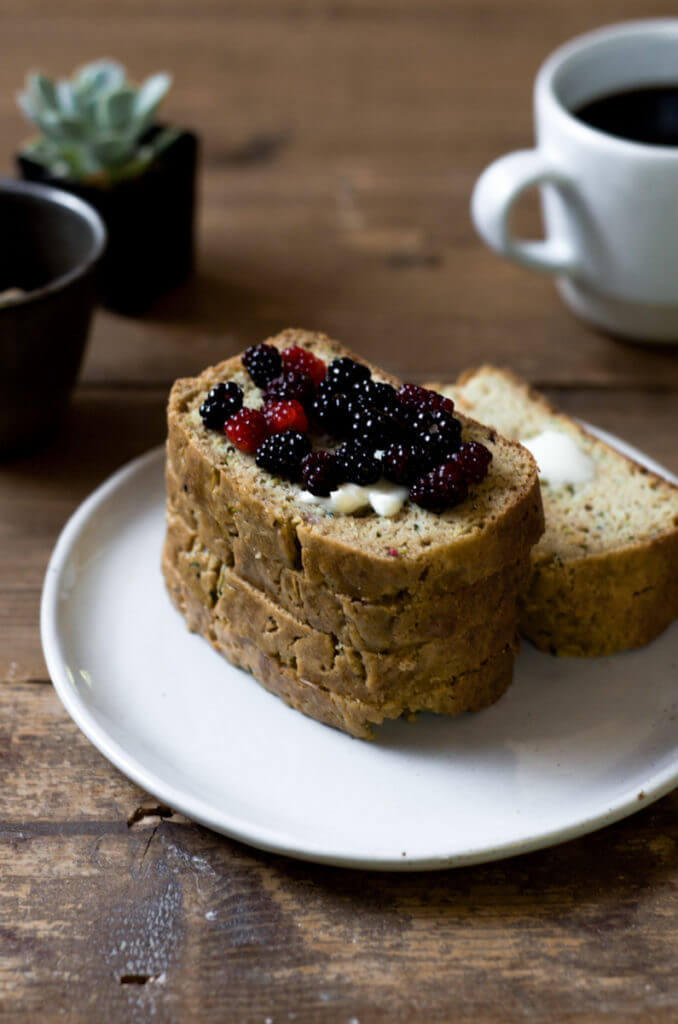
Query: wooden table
(341, 141)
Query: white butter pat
(385, 498)
(559, 458)
(348, 498)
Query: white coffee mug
(610, 205)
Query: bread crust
(321, 657)
(471, 691)
(369, 625)
(603, 604)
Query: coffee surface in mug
(648, 114)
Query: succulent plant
(93, 124)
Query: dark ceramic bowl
(52, 242)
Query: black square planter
(149, 220)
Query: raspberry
(474, 459)
(341, 373)
(281, 454)
(223, 400)
(442, 488)
(299, 359)
(357, 465)
(415, 397)
(320, 473)
(290, 385)
(262, 362)
(246, 430)
(403, 463)
(288, 415)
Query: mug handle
(494, 194)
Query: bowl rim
(68, 201)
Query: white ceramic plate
(574, 744)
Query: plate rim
(274, 840)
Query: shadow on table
(101, 431)
(216, 303)
(610, 867)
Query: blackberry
(415, 397)
(438, 432)
(436, 447)
(331, 412)
(222, 401)
(404, 417)
(281, 454)
(444, 487)
(357, 464)
(293, 385)
(424, 494)
(320, 473)
(342, 373)
(374, 394)
(373, 429)
(473, 458)
(451, 479)
(403, 463)
(437, 421)
(262, 362)
(326, 389)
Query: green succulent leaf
(41, 150)
(41, 93)
(114, 110)
(62, 127)
(100, 76)
(164, 138)
(112, 151)
(150, 95)
(65, 95)
(92, 124)
(26, 106)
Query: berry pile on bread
(412, 430)
(279, 464)
(604, 577)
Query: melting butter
(385, 498)
(559, 458)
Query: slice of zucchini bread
(403, 603)
(364, 556)
(604, 576)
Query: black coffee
(647, 115)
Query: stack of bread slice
(350, 619)
(604, 577)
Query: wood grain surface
(340, 142)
